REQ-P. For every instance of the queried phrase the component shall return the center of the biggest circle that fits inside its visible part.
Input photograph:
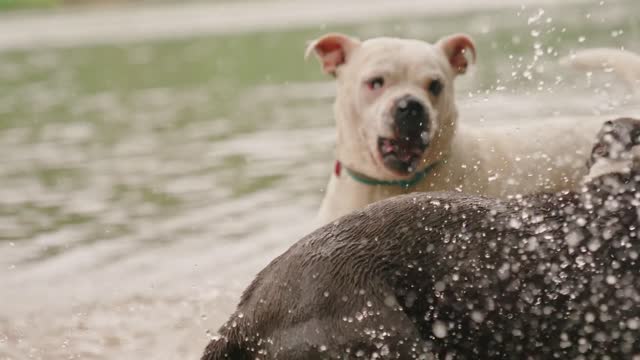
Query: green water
(125, 163)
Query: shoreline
(140, 22)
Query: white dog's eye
(375, 83)
(435, 87)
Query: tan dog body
(495, 161)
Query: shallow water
(143, 185)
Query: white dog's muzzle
(403, 152)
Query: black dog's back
(321, 292)
(444, 274)
(490, 267)
(221, 349)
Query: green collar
(402, 183)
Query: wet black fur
(443, 274)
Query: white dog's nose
(410, 117)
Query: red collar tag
(337, 169)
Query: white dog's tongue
(405, 156)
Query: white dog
(397, 128)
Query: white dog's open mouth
(402, 156)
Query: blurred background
(155, 154)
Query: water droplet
(590, 317)
(574, 238)
(390, 301)
(593, 245)
(477, 316)
(440, 329)
(534, 18)
(515, 223)
(503, 271)
(611, 279)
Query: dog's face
(617, 148)
(395, 108)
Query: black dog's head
(616, 146)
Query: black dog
(445, 275)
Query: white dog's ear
(455, 47)
(332, 50)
